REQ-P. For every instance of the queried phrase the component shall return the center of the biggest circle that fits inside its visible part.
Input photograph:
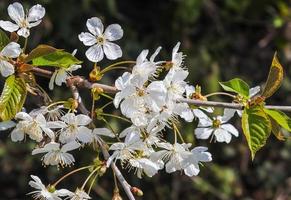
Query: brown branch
(72, 83)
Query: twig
(81, 82)
(83, 109)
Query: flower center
(100, 40)
(140, 92)
(216, 123)
(23, 23)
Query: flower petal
(8, 26)
(103, 132)
(6, 68)
(113, 32)
(11, 50)
(112, 51)
(203, 133)
(87, 38)
(95, 26)
(83, 120)
(17, 135)
(16, 12)
(24, 32)
(36, 13)
(95, 53)
(230, 128)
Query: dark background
(222, 40)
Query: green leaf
(281, 118)
(12, 98)
(276, 130)
(236, 85)
(4, 39)
(256, 127)
(58, 58)
(41, 50)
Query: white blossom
(101, 42)
(11, 50)
(60, 75)
(75, 128)
(80, 195)
(56, 155)
(124, 151)
(42, 192)
(33, 126)
(191, 164)
(23, 21)
(218, 127)
(144, 166)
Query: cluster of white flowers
(153, 106)
(68, 133)
(149, 96)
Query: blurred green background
(222, 40)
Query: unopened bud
(136, 191)
(116, 195)
(95, 74)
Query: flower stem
(92, 183)
(116, 64)
(25, 45)
(107, 104)
(70, 173)
(88, 178)
(107, 96)
(219, 93)
(115, 116)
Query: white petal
(69, 118)
(36, 13)
(33, 24)
(6, 68)
(23, 116)
(192, 170)
(254, 91)
(70, 146)
(230, 128)
(17, 135)
(52, 80)
(152, 58)
(61, 77)
(16, 12)
(203, 133)
(84, 134)
(104, 132)
(95, 53)
(83, 120)
(113, 32)
(222, 135)
(11, 50)
(87, 38)
(228, 114)
(56, 124)
(8, 26)
(95, 26)
(7, 125)
(112, 51)
(24, 32)
(142, 57)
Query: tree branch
(71, 84)
(82, 82)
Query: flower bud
(136, 191)
(95, 74)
